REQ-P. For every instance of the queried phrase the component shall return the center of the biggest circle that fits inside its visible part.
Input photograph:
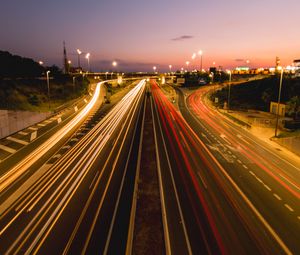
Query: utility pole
(66, 64)
(278, 103)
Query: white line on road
(7, 149)
(94, 180)
(17, 140)
(245, 166)
(22, 133)
(239, 161)
(288, 207)
(41, 125)
(278, 197)
(267, 187)
(33, 128)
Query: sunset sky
(140, 34)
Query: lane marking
(239, 161)
(203, 182)
(58, 120)
(10, 138)
(57, 156)
(41, 125)
(245, 166)
(7, 149)
(33, 128)
(22, 133)
(267, 187)
(298, 217)
(33, 136)
(252, 173)
(288, 207)
(94, 179)
(278, 197)
(66, 147)
(47, 121)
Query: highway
(219, 206)
(85, 194)
(266, 181)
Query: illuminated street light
(41, 63)
(229, 85)
(187, 64)
(79, 53)
(114, 63)
(200, 52)
(278, 103)
(154, 69)
(48, 85)
(87, 56)
(194, 56)
(170, 67)
(106, 73)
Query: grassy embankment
(32, 94)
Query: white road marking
(41, 125)
(33, 128)
(298, 217)
(66, 147)
(17, 140)
(288, 207)
(22, 133)
(57, 156)
(239, 161)
(59, 120)
(47, 121)
(278, 197)
(74, 139)
(76, 108)
(225, 139)
(7, 149)
(33, 136)
(245, 166)
(91, 185)
(252, 173)
(267, 187)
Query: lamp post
(200, 52)
(229, 85)
(48, 85)
(187, 65)
(154, 69)
(78, 54)
(87, 56)
(106, 75)
(278, 103)
(170, 67)
(74, 83)
(114, 64)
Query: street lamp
(106, 75)
(229, 85)
(87, 56)
(170, 67)
(41, 63)
(278, 103)
(48, 85)
(79, 53)
(200, 52)
(114, 64)
(154, 69)
(187, 64)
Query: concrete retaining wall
(14, 121)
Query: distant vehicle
(202, 82)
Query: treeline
(13, 66)
(258, 94)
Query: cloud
(183, 37)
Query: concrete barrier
(14, 121)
